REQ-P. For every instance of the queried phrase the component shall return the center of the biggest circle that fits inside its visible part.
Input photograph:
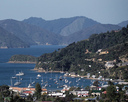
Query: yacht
(20, 74)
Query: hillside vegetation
(22, 59)
(83, 57)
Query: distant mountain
(30, 34)
(123, 24)
(59, 31)
(9, 40)
(62, 26)
(73, 29)
(87, 32)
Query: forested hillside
(22, 59)
(84, 55)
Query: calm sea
(7, 70)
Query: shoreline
(37, 70)
(22, 62)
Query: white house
(79, 93)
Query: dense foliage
(38, 91)
(23, 58)
(82, 55)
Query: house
(88, 75)
(92, 87)
(126, 92)
(79, 93)
(66, 88)
(93, 76)
(125, 88)
(109, 64)
(72, 74)
(104, 86)
(27, 93)
(103, 52)
(57, 94)
(104, 92)
(96, 92)
(99, 51)
(29, 90)
(121, 83)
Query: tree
(111, 92)
(1, 98)
(110, 83)
(38, 91)
(96, 83)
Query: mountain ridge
(29, 33)
(123, 24)
(61, 31)
(9, 40)
(58, 25)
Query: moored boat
(20, 74)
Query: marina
(55, 82)
(18, 75)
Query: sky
(103, 11)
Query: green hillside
(22, 59)
(83, 55)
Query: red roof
(104, 92)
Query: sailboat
(51, 75)
(62, 70)
(18, 82)
(14, 77)
(33, 82)
(42, 80)
(30, 86)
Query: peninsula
(23, 59)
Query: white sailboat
(62, 70)
(30, 86)
(14, 77)
(20, 74)
(33, 82)
(51, 75)
(18, 82)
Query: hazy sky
(103, 11)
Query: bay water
(50, 80)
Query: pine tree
(38, 91)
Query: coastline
(22, 62)
(38, 70)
